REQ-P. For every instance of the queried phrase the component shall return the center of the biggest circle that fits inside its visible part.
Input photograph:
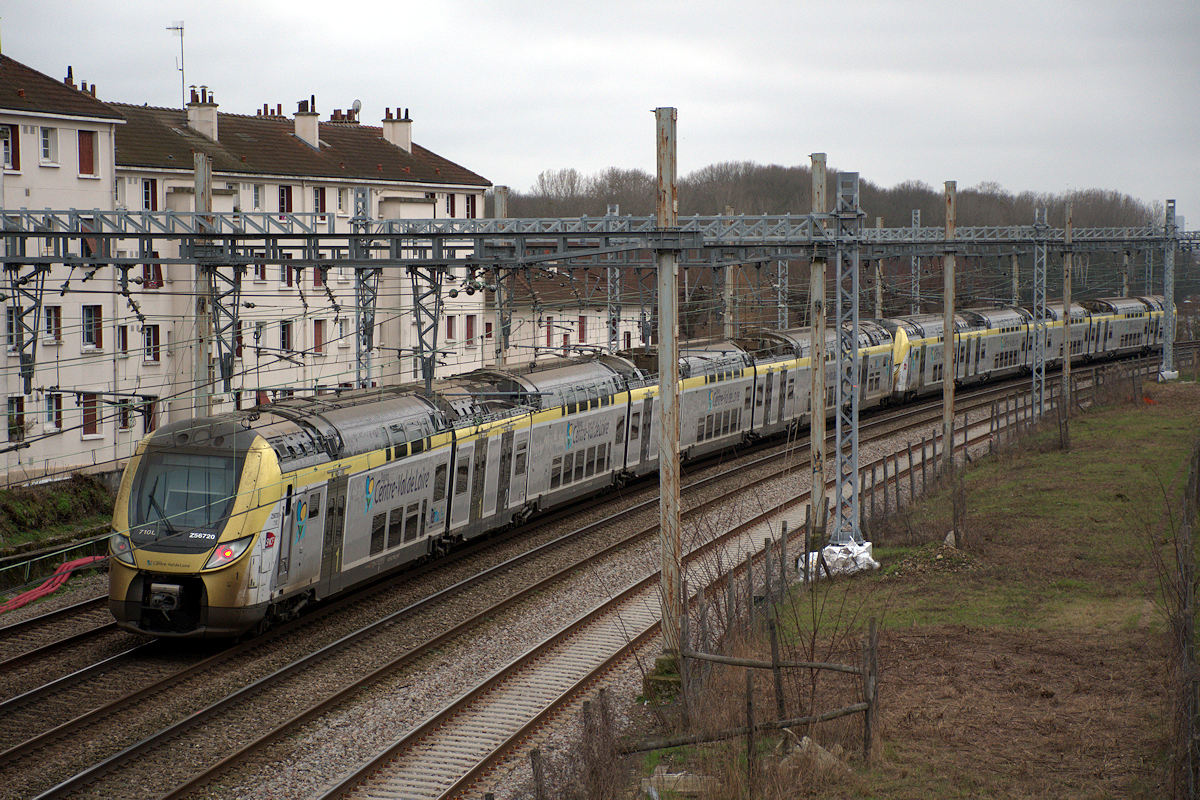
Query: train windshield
(182, 492)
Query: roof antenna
(178, 28)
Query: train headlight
(121, 548)
(227, 552)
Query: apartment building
(118, 357)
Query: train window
(519, 460)
(410, 522)
(620, 436)
(461, 478)
(602, 457)
(708, 427)
(314, 504)
(635, 425)
(377, 533)
(396, 527)
(556, 472)
(579, 465)
(699, 430)
(591, 463)
(439, 482)
(791, 392)
(747, 403)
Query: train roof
(569, 381)
(696, 357)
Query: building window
(450, 204)
(53, 326)
(93, 324)
(152, 275)
(87, 153)
(549, 331)
(260, 270)
(150, 414)
(150, 340)
(91, 413)
(238, 340)
(450, 329)
(342, 197)
(285, 336)
(318, 336)
(16, 419)
(150, 194)
(342, 334)
(471, 199)
(285, 199)
(286, 274)
(124, 416)
(566, 343)
(319, 199)
(54, 417)
(123, 339)
(582, 330)
(470, 332)
(319, 276)
(49, 145)
(256, 193)
(628, 340)
(487, 330)
(11, 143)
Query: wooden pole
(776, 672)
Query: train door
(785, 394)
(768, 394)
(499, 501)
(460, 485)
(285, 538)
(478, 473)
(520, 468)
(308, 535)
(334, 530)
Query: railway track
(917, 417)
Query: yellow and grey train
(226, 524)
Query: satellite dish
(357, 106)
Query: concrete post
(816, 316)
(667, 262)
(1168, 371)
(1016, 280)
(948, 343)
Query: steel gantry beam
(366, 287)
(1040, 314)
(845, 494)
(914, 264)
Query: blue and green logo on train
(370, 490)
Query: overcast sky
(1046, 96)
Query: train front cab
(185, 546)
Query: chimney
(70, 79)
(307, 129)
(202, 113)
(397, 130)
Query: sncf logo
(301, 518)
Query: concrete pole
(670, 538)
(727, 294)
(202, 393)
(1168, 371)
(1125, 274)
(816, 316)
(914, 265)
(948, 343)
(1068, 263)
(879, 277)
(1016, 280)
(500, 335)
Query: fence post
(729, 601)
(808, 526)
(539, 781)
(912, 475)
(924, 467)
(776, 672)
(886, 504)
(896, 479)
(685, 643)
(783, 558)
(768, 592)
(966, 439)
(750, 590)
(749, 732)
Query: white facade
(114, 361)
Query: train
(225, 525)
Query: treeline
(750, 188)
